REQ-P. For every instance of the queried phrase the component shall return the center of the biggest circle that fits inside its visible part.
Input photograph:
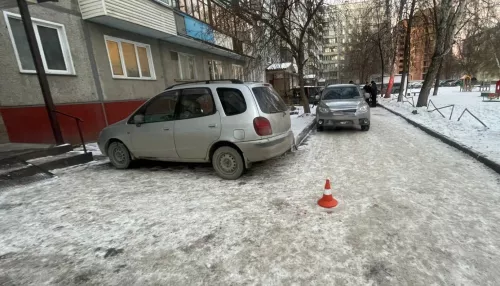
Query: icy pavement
(468, 131)
(413, 212)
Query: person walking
(374, 91)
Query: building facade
(421, 46)
(342, 20)
(104, 58)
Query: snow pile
(91, 147)
(301, 120)
(468, 131)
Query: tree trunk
(300, 68)
(436, 83)
(395, 49)
(449, 14)
(406, 56)
(382, 64)
(429, 80)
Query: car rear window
(232, 101)
(269, 100)
(339, 92)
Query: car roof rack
(237, 81)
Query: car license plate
(338, 113)
(344, 122)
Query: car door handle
(166, 128)
(212, 125)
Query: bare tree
(293, 22)
(447, 16)
(396, 35)
(406, 55)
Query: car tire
(119, 155)
(228, 163)
(319, 128)
(365, 127)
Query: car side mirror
(138, 119)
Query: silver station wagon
(228, 123)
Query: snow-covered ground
(301, 120)
(468, 130)
(415, 212)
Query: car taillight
(262, 126)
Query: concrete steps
(26, 166)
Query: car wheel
(319, 128)
(365, 127)
(119, 155)
(228, 163)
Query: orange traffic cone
(327, 201)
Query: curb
(476, 155)
(302, 135)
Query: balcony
(139, 16)
(158, 19)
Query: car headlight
(323, 109)
(363, 109)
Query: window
(196, 102)
(52, 42)
(186, 67)
(129, 59)
(269, 100)
(340, 93)
(161, 108)
(169, 3)
(215, 69)
(238, 72)
(232, 101)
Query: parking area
(412, 211)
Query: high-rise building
(340, 20)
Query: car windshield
(345, 92)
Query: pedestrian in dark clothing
(373, 93)
(367, 90)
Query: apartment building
(341, 20)
(104, 58)
(421, 45)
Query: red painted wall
(116, 111)
(31, 124)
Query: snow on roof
(321, 80)
(279, 66)
(310, 76)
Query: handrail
(77, 120)
(74, 117)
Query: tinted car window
(333, 93)
(269, 100)
(196, 102)
(232, 101)
(161, 108)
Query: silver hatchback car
(229, 123)
(342, 105)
